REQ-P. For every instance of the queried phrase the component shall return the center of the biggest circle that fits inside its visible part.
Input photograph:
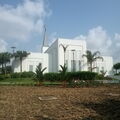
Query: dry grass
(22, 103)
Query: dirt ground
(22, 103)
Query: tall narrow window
(66, 63)
(98, 69)
(79, 65)
(103, 69)
(73, 65)
(31, 68)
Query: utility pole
(13, 49)
(73, 60)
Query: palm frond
(44, 69)
(64, 47)
(96, 53)
(99, 57)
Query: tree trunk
(21, 65)
(5, 68)
(2, 69)
(90, 67)
(64, 57)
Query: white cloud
(98, 39)
(18, 23)
(3, 46)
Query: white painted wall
(105, 65)
(79, 47)
(33, 59)
(52, 52)
(54, 57)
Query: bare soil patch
(22, 103)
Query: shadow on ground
(109, 109)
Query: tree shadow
(108, 109)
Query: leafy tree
(21, 55)
(91, 58)
(116, 67)
(39, 73)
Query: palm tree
(21, 55)
(91, 58)
(64, 49)
(63, 72)
(39, 73)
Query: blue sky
(96, 21)
(78, 16)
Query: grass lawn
(24, 81)
(22, 103)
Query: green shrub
(52, 77)
(99, 77)
(70, 76)
(15, 75)
(84, 75)
(7, 75)
(27, 74)
(2, 77)
(22, 75)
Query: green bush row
(83, 75)
(22, 75)
(52, 77)
(70, 76)
(2, 77)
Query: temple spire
(45, 42)
(45, 37)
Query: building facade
(63, 51)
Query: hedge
(2, 77)
(52, 77)
(22, 75)
(84, 75)
(70, 76)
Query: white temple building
(54, 56)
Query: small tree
(102, 72)
(63, 72)
(39, 73)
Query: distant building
(54, 56)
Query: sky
(95, 21)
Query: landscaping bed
(23, 103)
